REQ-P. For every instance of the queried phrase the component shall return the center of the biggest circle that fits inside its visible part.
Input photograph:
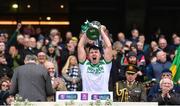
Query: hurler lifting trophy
(95, 66)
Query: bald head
(162, 43)
(121, 36)
(48, 64)
(50, 68)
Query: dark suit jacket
(32, 82)
(173, 100)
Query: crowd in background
(59, 56)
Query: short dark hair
(94, 47)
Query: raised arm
(13, 38)
(81, 49)
(108, 46)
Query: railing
(86, 104)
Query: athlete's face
(94, 56)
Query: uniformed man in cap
(129, 90)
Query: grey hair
(30, 58)
(117, 45)
(162, 81)
(54, 31)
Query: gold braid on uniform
(122, 92)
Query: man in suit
(167, 96)
(31, 81)
(155, 89)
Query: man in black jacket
(166, 96)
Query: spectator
(142, 39)
(152, 52)
(68, 36)
(156, 35)
(132, 58)
(154, 70)
(28, 30)
(139, 53)
(6, 98)
(58, 42)
(134, 35)
(117, 70)
(71, 49)
(39, 34)
(32, 49)
(176, 42)
(5, 55)
(74, 41)
(16, 57)
(4, 87)
(167, 96)
(13, 38)
(5, 84)
(57, 83)
(165, 47)
(19, 44)
(53, 55)
(121, 38)
(54, 32)
(42, 58)
(71, 74)
(166, 73)
(5, 70)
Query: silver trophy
(92, 30)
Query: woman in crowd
(71, 74)
(53, 55)
(5, 98)
(4, 84)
